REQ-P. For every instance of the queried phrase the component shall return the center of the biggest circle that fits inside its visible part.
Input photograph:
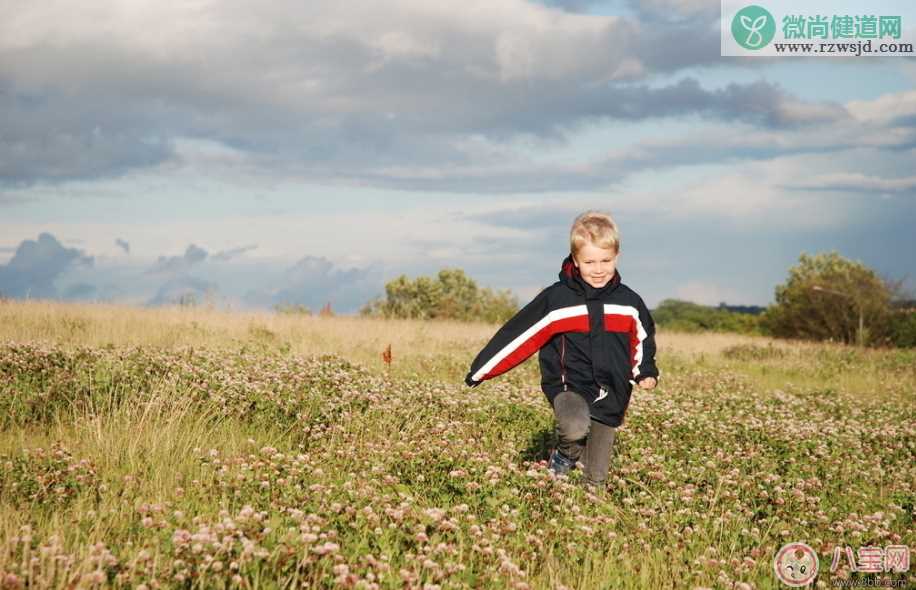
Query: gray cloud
(179, 264)
(36, 265)
(571, 5)
(761, 103)
(226, 255)
(184, 289)
(314, 281)
(80, 291)
(856, 182)
(670, 47)
(54, 134)
(392, 87)
(653, 10)
(676, 10)
(46, 269)
(123, 245)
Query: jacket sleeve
(526, 332)
(645, 352)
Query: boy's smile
(596, 265)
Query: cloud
(655, 10)
(226, 255)
(78, 291)
(184, 289)
(314, 281)
(677, 10)
(52, 134)
(182, 286)
(528, 217)
(571, 5)
(406, 84)
(865, 135)
(179, 264)
(123, 245)
(36, 265)
(855, 182)
(887, 110)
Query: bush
(828, 297)
(685, 316)
(450, 295)
(903, 329)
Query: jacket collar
(570, 275)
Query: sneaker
(559, 464)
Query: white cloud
(884, 109)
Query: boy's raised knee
(573, 429)
(572, 416)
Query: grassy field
(189, 448)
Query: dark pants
(583, 439)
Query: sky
(252, 154)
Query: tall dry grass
(357, 338)
(443, 348)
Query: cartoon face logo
(796, 564)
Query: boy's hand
(648, 383)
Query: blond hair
(594, 227)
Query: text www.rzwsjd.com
(855, 48)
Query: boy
(596, 341)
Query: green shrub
(829, 297)
(684, 316)
(903, 329)
(450, 295)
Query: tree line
(825, 297)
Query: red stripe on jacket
(536, 341)
(614, 322)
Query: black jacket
(596, 342)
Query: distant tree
(686, 316)
(187, 299)
(828, 297)
(903, 328)
(449, 295)
(903, 316)
(748, 309)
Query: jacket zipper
(563, 360)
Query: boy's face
(596, 265)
